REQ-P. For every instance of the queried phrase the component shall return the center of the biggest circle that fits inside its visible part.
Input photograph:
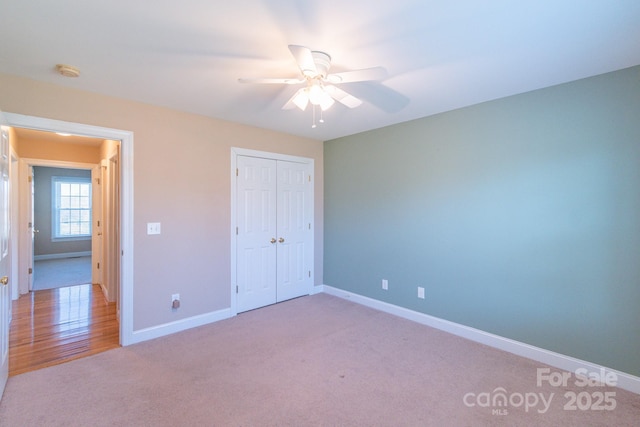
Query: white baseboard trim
(60, 256)
(105, 291)
(179, 325)
(624, 381)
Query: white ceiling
(439, 54)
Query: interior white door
(5, 261)
(97, 224)
(274, 234)
(256, 233)
(294, 230)
(113, 262)
(32, 228)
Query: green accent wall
(519, 217)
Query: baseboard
(105, 291)
(60, 256)
(179, 326)
(624, 381)
(317, 290)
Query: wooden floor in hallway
(54, 326)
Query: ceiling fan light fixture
(326, 101)
(301, 99)
(315, 93)
(318, 95)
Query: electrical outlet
(385, 284)
(420, 292)
(175, 301)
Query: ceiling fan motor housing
(323, 63)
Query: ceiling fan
(319, 86)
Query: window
(71, 207)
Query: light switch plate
(153, 228)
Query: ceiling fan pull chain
(313, 126)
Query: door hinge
(98, 265)
(30, 178)
(309, 178)
(97, 181)
(309, 273)
(30, 270)
(236, 171)
(236, 289)
(309, 226)
(236, 231)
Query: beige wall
(181, 179)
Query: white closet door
(274, 235)
(294, 230)
(256, 232)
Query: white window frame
(55, 208)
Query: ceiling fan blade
(304, 58)
(273, 81)
(343, 97)
(379, 95)
(366, 74)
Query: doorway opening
(65, 218)
(121, 268)
(67, 306)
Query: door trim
(126, 197)
(235, 152)
(25, 253)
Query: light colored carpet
(312, 361)
(59, 273)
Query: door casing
(125, 302)
(26, 220)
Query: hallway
(58, 325)
(61, 272)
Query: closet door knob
(273, 240)
(281, 240)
